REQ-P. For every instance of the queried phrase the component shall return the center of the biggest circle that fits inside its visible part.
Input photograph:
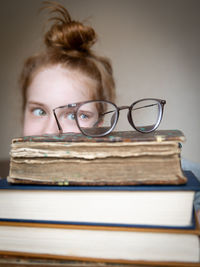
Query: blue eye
(39, 112)
(71, 116)
(83, 116)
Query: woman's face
(51, 88)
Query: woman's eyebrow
(86, 111)
(36, 103)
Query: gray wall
(154, 46)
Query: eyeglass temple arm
(102, 114)
(146, 106)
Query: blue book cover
(192, 185)
(122, 206)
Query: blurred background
(154, 46)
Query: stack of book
(120, 199)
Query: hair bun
(66, 34)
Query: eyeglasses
(98, 118)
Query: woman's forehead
(58, 82)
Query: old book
(100, 244)
(169, 206)
(122, 158)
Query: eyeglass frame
(118, 109)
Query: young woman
(67, 71)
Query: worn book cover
(121, 158)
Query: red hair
(68, 43)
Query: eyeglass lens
(146, 115)
(96, 118)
